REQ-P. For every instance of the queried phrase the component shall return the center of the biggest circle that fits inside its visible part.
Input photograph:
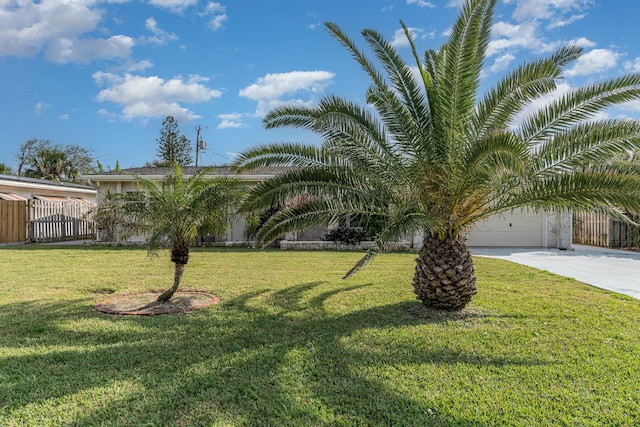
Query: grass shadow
(241, 362)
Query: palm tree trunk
(180, 256)
(166, 295)
(444, 277)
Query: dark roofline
(165, 170)
(157, 172)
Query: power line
(201, 149)
(217, 154)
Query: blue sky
(103, 74)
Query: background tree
(42, 159)
(176, 210)
(436, 157)
(173, 148)
(26, 151)
(5, 169)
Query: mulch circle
(144, 304)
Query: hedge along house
(520, 228)
(38, 210)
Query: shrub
(348, 235)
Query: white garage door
(520, 228)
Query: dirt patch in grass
(146, 304)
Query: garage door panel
(520, 228)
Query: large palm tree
(428, 154)
(176, 211)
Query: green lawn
(292, 344)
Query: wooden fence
(13, 221)
(602, 230)
(41, 221)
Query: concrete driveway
(611, 269)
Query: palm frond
(290, 115)
(579, 105)
(411, 140)
(286, 154)
(349, 44)
(339, 119)
(586, 144)
(518, 88)
(320, 182)
(402, 77)
(458, 78)
(370, 254)
(353, 133)
(490, 166)
(579, 190)
(311, 212)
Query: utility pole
(200, 144)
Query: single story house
(123, 181)
(519, 228)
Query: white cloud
(71, 30)
(86, 50)
(400, 39)
(174, 5)
(27, 27)
(554, 10)
(557, 13)
(421, 3)
(633, 66)
(509, 36)
(593, 62)
(270, 90)
(217, 22)
(160, 36)
(109, 116)
(502, 62)
(60, 28)
(217, 14)
(633, 106)
(530, 18)
(145, 97)
(231, 121)
(40, 107)
(455, 3)
(214, 8)
(132, 66)
(582, 42)
(558, 23)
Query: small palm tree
(430, 155)
(178, 210)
